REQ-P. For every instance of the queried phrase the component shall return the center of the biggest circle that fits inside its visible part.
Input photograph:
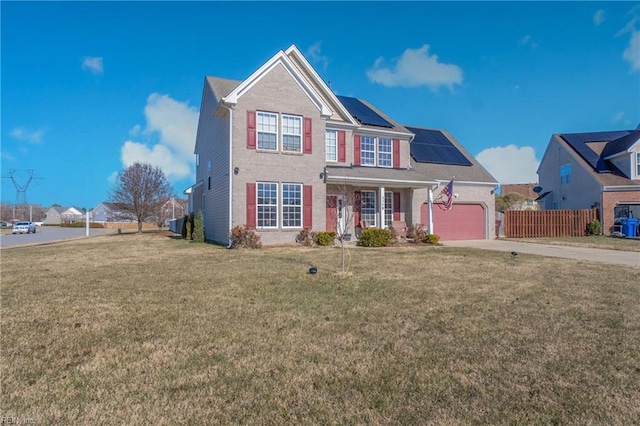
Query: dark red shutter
(307, 135)
(396, 153)
(307, 201)
(356, 208)
(356, 150)
(251, 130)
(342, 146)
(331, 213)
(396, 206)
(251, 205)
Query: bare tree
(342, 199)
(141, 190)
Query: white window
(291, 133)
(368, 151)
(331, 145)
(368, 207)
(267, 131)
(388, 208)
(291, 205)
(267, 205)
(384, 152)
(565, 173)
(638, 164)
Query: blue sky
(90, 88)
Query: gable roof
(442, 171)
(371, 118)
(221, 87)
(280, 58)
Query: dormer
(624, 153)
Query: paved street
(47, 234)
(579, 253)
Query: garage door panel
(462, 222)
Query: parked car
(6, 224)
(24, 228)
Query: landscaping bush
(417, 232)
(198, 229)
(375, 237)
(306, 237)
(594, 227)
(242, 237)
(325, 238)
(184, 226)
(431, 239)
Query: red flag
(444, 200)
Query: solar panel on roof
(363, 113)
(432, 146)
(578, 141)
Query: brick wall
(609, 200)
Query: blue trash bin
(632, 224)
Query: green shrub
(184, 226)
(325, 238)
(242, 237)
(375, 237)
(198, 229)
(431, 239)
(594, 227)
(306, 237)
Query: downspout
(230, 226)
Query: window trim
(298, 206)
(638, 164)
(379, 152)
(335, 145)
(362, 151)
(283, 134)
(259, 131)
(388, 212)
(565, 174)
(376, 151)
(375, 208)
(258, 205)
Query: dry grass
(595, 241)
(134, 328)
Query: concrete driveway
(579, 253)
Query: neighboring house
(598, 170)
(524, 189)
(172, 209)
(279, 152)
(111, 212)
(58, 215)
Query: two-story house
(593, 170)
(279, 152)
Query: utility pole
(21, 188)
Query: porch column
(381, 207)
(430, 209)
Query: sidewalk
(579, 253)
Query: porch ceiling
(376, 176)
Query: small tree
(198, 228)
(344, 220)
(141, 190)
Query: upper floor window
(267, 131)
(376, 151)
(638, 164)
(331, 145)
(291, 133)
(565, 173)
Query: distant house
(524, 189)
(111, 212)
(279, 152)
(597, 170)
(172, 209)
(59, 215)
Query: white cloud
(598, 17)
(416, 67)
(510, 164)
(527, 41)
(92, 64)
(618, 117)
(632, 53)
(170, 134)
(30, 136)
(6, 156)
(314, 53)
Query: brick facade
(610, 199)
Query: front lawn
(594, 241)
(141, 329)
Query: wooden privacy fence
(547, 223)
